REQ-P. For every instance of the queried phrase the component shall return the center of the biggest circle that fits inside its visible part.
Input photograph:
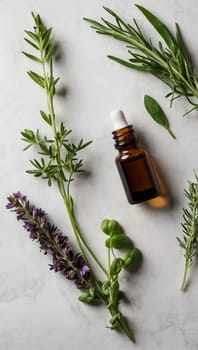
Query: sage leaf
(156, 112)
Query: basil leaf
(120, 241)
(156, 112)
(111, 227)
(131, 257)
(116, 266)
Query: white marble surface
(39, 309)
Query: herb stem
(60, 181)
(185, 274)
(171, 133)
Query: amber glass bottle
(133, 163)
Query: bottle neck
(125, 138)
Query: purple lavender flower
(51, 240)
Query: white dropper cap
(119, 120)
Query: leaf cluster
(41, 40)
(59, 154)
(168, 62)
(110, 288)
(48, 167)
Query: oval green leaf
(156, 112)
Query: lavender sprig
(51, 239)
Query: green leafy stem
(190, 228)
(59, 163)
(169, 62)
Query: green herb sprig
(169, 62)
(110, 287)
(59, 162)
(190, 228)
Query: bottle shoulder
(127, 154)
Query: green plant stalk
(189, 243)
(171, 133)
(189, 248)
(113, 304)
(61, 185)
(185, 274)
(70, 212)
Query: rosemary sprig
(168, 63)
(58, 163)
(190, 228)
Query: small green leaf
(31, 43)
(120, 241)
(115, 291)
(87, 297)
(37, 78)
(49, 51)
(116, 266)
(32, 57)
(131, 257)
(115, 320)
(46, 38)
(105, 287)
(111, 227)
(156, 112)
(46, 117)
(32, 35)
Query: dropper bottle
(133, 163)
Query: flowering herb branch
(58, 163)
(190, 228)
(51, 240)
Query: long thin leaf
(128, 64)
(160, 27)
(37, 78)
(32, 35)
(32, 57)
(31, 43)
